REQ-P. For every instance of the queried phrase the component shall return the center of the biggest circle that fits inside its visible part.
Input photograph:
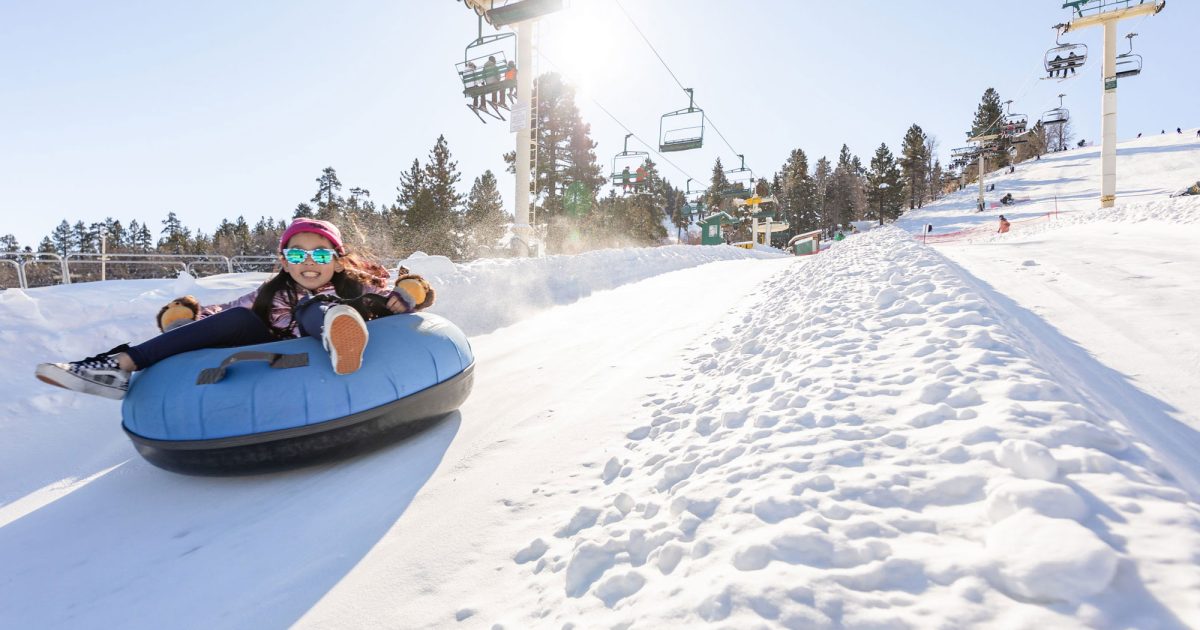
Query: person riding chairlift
(1072, 63)
(1056, 65)
(510, 74)
(625, 177)
(639, 178)
(491, 75)
(470, 69)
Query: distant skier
(1004, 225)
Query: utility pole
(1107, 13)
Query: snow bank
(873, 446)
(484, 295)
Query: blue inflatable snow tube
(279, 404)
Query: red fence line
(978, 231)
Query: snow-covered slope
(873, 443)
(869, 437)
(1149, 169)
(1120, 282)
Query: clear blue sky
(214, 109)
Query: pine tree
(913, 166)
(443, 222)
(822, 178)
(797, 195)
(484, 217)
(988, 115)
(565, 150)
(411, 209)
(232, 238)
(885, 187)
(989, 119)
(716, 185)
(329, 203)
(84, 239)
(264, 237)
(63, 238)
(9, 244)
(176, 239)
(143, 240)
(1034, 145)
(645, 210)
(840, 194)
(115, 235)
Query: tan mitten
(178, 312)
(414, 291)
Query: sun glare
(579, 43)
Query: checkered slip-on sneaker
(345, 337)
(99, 375)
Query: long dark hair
(351, 282)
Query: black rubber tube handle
(208, 376)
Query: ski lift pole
(982, 159)
(1108, 124)
(524, 148)
(1108, 18)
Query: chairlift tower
(1107, 13)
(984, 147)
(521, 16)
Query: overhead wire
(623, 125)
(673, 76)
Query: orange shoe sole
(350, 341)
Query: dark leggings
(241, 327)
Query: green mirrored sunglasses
(321, 256)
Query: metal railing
(69, 266)
(174, 263)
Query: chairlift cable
(652, 48)
(621, 124)
(672, 73)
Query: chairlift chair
(693, 200)
(741, 181)
(486, 71)
(682, 129)
(1013, 125)
(626, 166)
(1129, 64)
(1063, 60)
(1057, 116)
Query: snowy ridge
(872, 446)
(484, 295)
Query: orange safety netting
(981, 231)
